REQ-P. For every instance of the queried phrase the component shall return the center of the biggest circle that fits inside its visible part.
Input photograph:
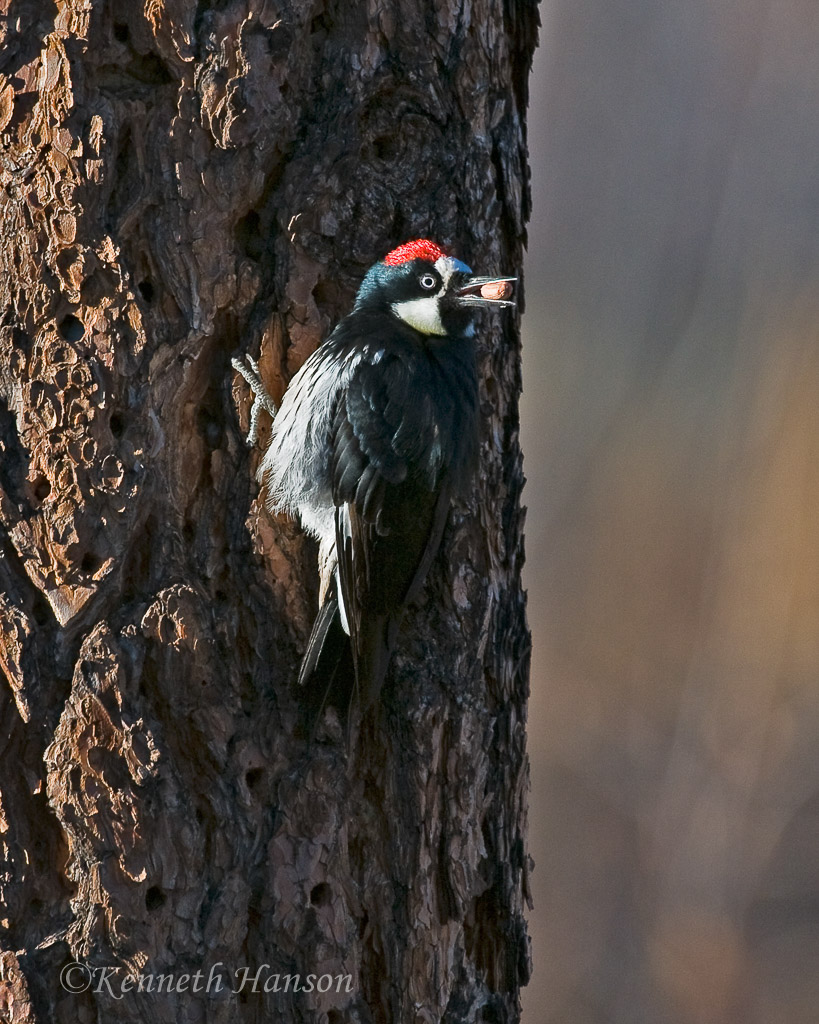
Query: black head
(431, 292)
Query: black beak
(486, 291)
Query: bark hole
(154, 898)
(71, 328)
(90, 563)
(40, 489)
(321, 894)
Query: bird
(376, 434)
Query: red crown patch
(421, 248)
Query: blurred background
(671, 437)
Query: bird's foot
(261, 396)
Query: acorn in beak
(487, 291)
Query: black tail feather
(327, 674)
(323, 645)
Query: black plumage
(376, 433)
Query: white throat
(423, 314)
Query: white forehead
(448, 265)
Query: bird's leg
(261, 396)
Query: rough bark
(183, 182)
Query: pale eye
(427, 281)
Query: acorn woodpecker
(376, 433)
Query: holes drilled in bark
(90, 563)
(96, 759)
(116, 424)
(154, 898)
(253, 777)
(146, 290)
(41, 488)
(71, 328)
(121, 32)
(320, 894)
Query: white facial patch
(423, 313)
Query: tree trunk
(185, 182)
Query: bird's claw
(261, 396)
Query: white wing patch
(343, 517)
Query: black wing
(392, 496)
